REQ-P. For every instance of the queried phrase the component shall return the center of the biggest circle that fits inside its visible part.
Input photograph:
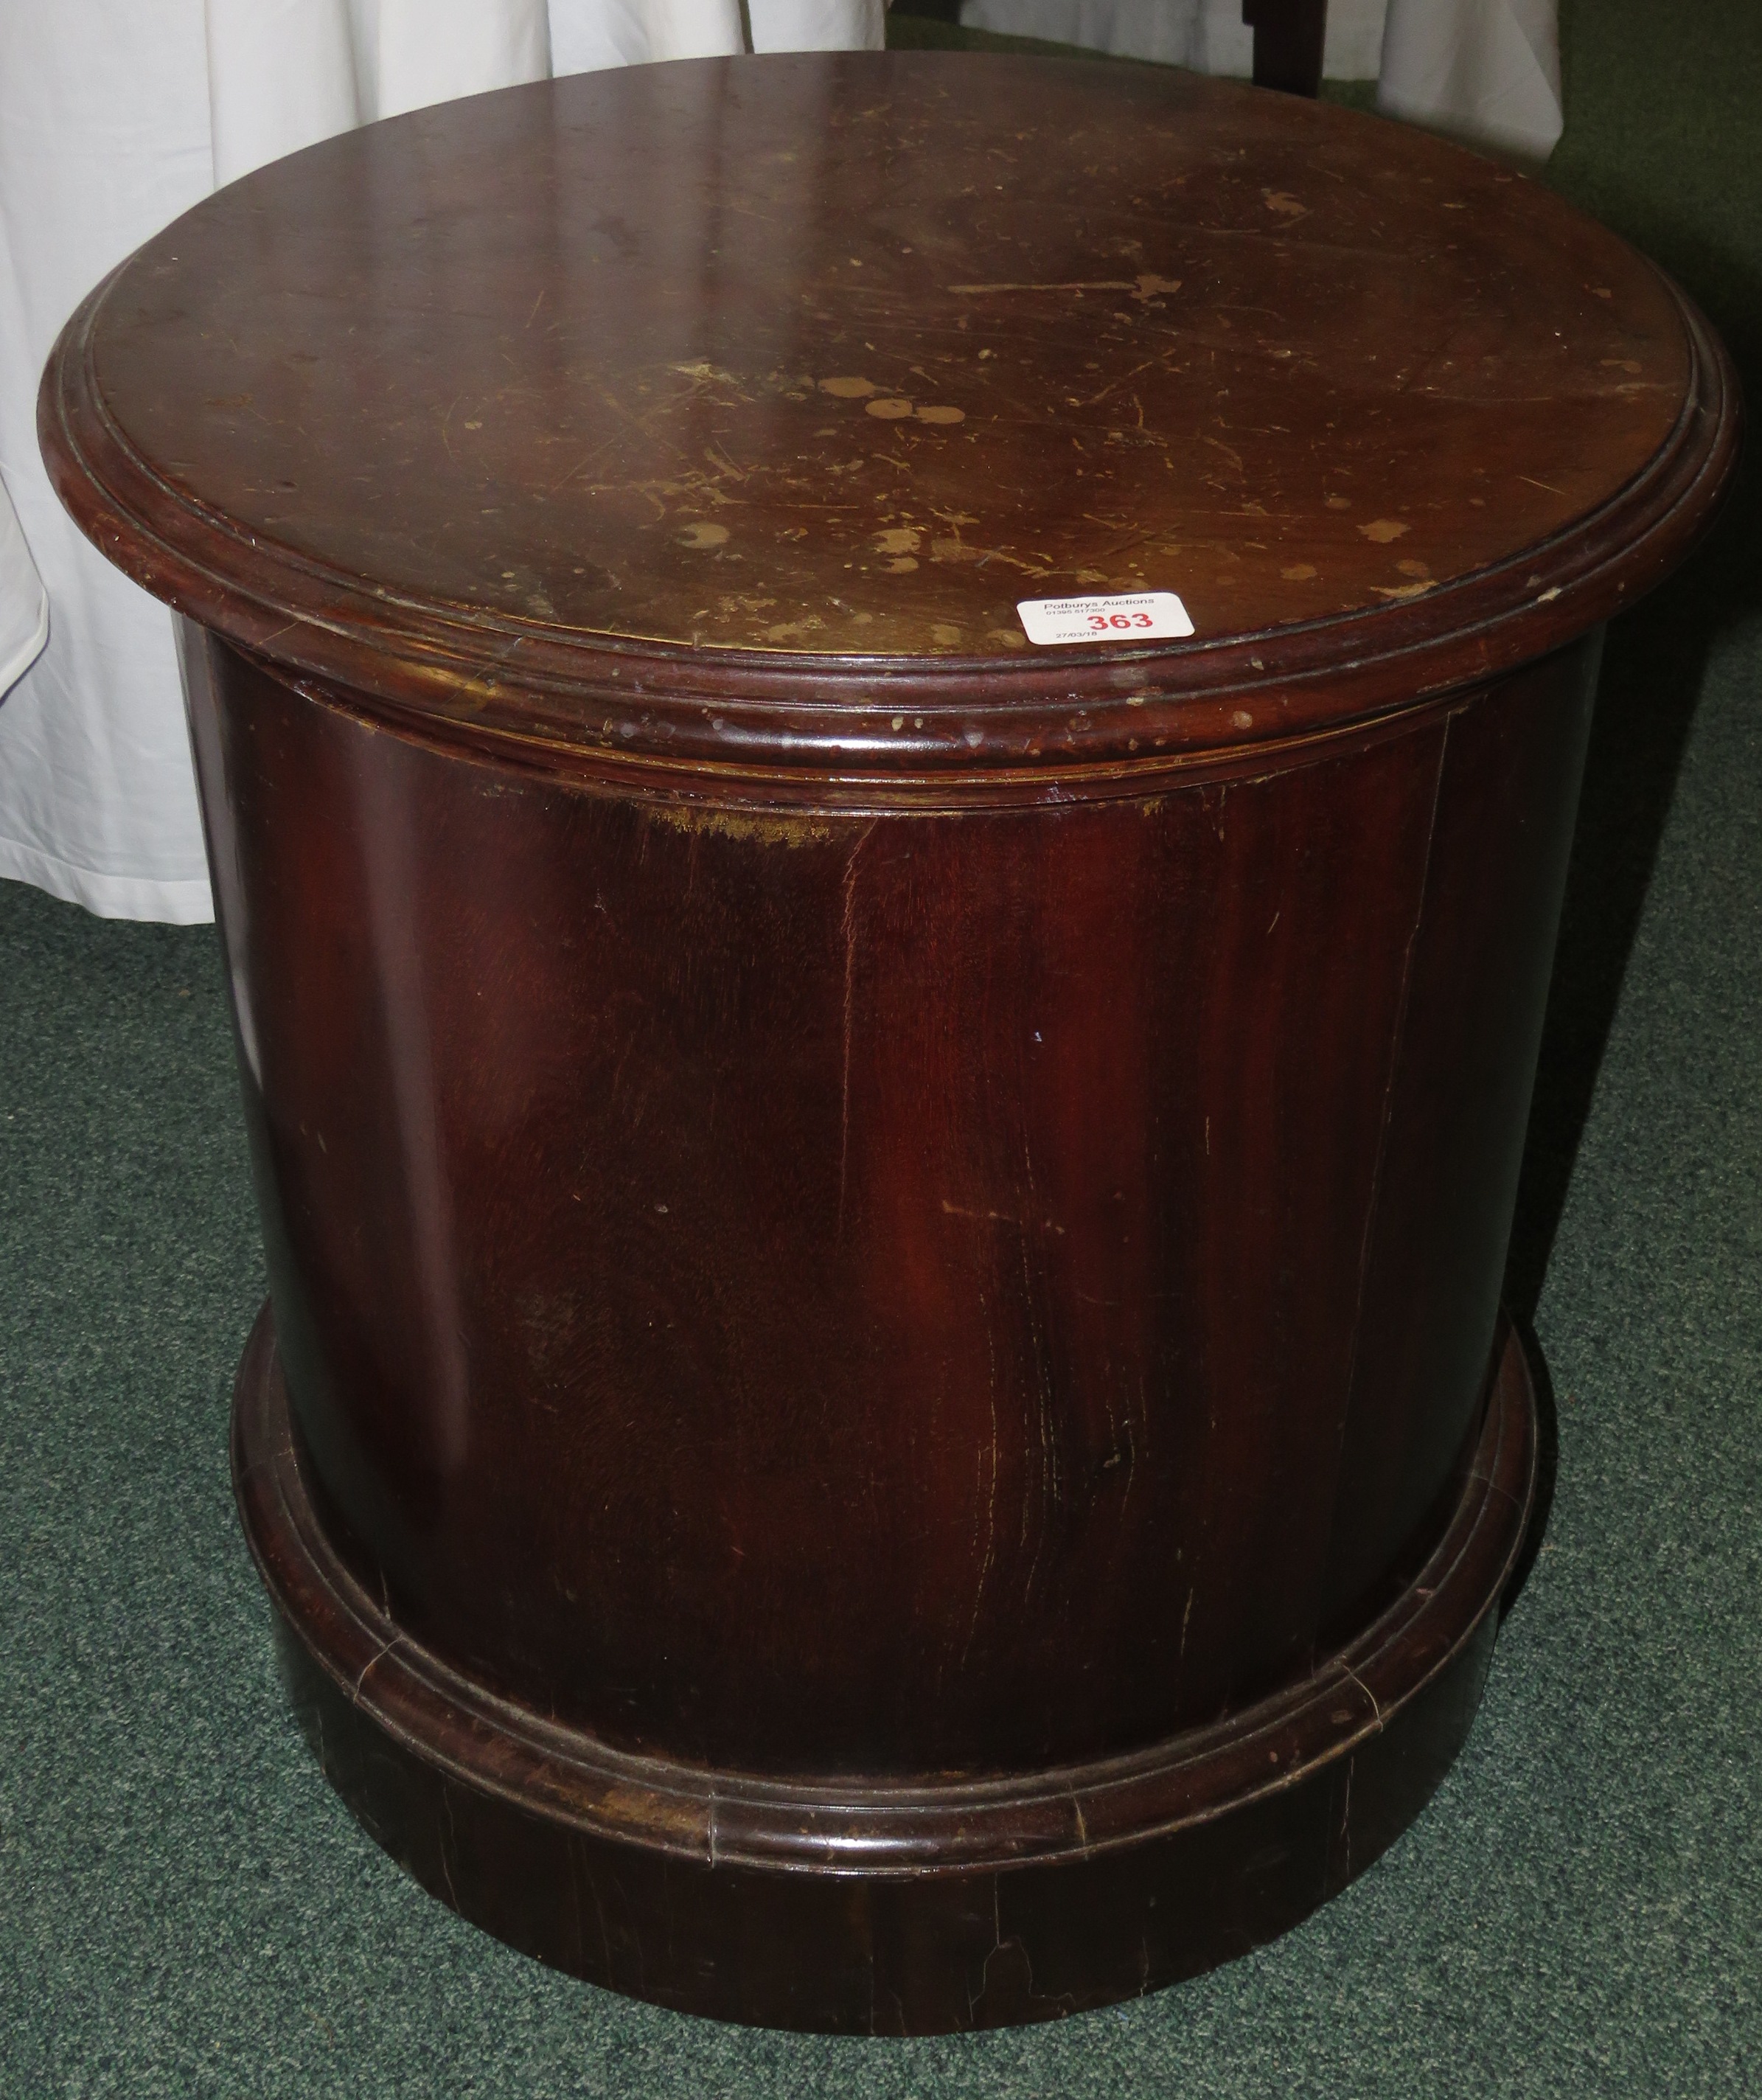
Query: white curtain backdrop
(103, 138)
(1488, 70)
(117, 115)
(23, 602)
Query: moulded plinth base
(872, 1906)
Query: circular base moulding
(875, 1905)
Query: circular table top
(748, 399)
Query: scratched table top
(841, 358)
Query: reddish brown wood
(885, 1245)
(871, 1907)
(342, 442)
(1018, 1180)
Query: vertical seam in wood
(850, 970)
(1371, 1209)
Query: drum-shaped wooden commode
(885, 1405)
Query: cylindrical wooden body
(946, 1290)
(887, 819)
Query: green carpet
(186, 1910)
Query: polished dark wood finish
(885, 1245)
(1289, 37)
(1013, 1237)
(948, 1904)
(457, 409)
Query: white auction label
(1143, 616)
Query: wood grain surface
(1033, 1271)
(724, 411)
(882, 1908)
(885, 1243)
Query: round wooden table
(885, 1405)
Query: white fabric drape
(23, 602)
(104, 139)
(114, 118)
(1488, 70)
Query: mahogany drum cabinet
(889, 744)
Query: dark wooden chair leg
(1288, 35)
